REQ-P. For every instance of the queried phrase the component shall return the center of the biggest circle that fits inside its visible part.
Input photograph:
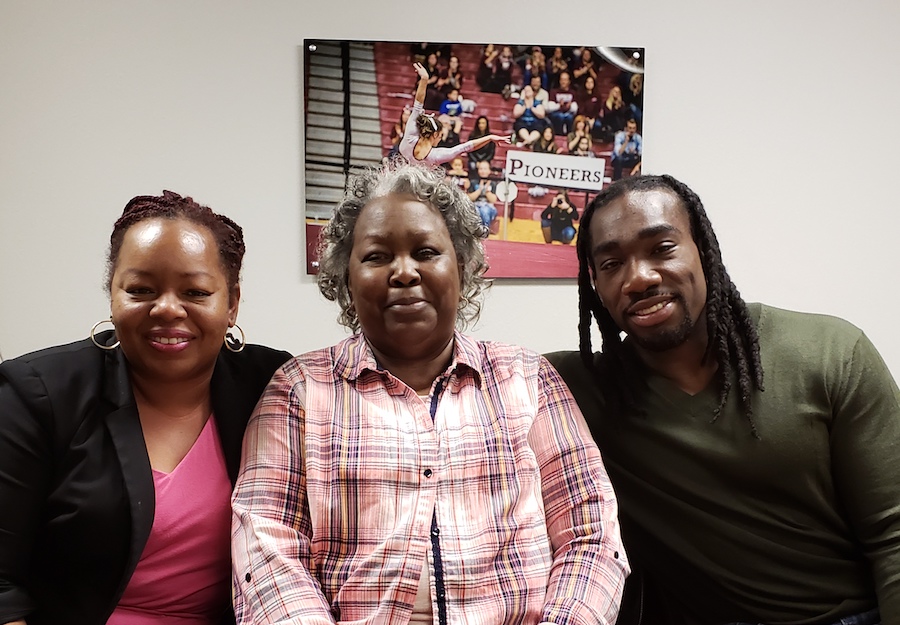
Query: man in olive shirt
(737, 504)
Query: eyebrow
(185, 274)
(647, 233)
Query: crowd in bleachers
(555, 100)
(520, 90)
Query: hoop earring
(94, 338)
(240, 345)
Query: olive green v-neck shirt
(799, 526)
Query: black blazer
(76, 488)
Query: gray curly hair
(427, 186)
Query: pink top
(184, 573)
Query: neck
(686, 365)
(420, 372)
(181, 399)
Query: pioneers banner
(555, 170)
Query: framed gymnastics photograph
(530, 132)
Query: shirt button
(247, 577)
(615, 554)
(427, 473)
(435, 532)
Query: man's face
(564, 81)
(484, 169)
(631, 128)
(535, 83)
(647, 269)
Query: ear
(234, 302)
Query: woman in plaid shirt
(411, 474)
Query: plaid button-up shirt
(351, 483)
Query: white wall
(782, 117)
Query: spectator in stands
(529, 115)
(557, 220)
(423, 132)
(450, 77)
(556, 65)
(547, 143)
(584, 66)
(397, 131)
(483, 193)
(583, 147)
(627, 150)
(561, 105)
(486, 151)
(419, 51)
(633, 94)
(457, 174)
(536, 65)
(452, 106)
(539, 92)
(495, 71)
(450, 128)
(433, 95)
(615, 114)
(579, 131)
(590, 105)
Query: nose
(168, 306)
(640, 275)
(405, 271)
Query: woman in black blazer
(88, 429)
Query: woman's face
(404, 278)
(589, 84)
(482, 124)
(586, 56)
(616, 93)
(432, 59)
(548, 134)
(557, 53)
(583, 144)
(579, 125)
(454, 63)
(170, 300)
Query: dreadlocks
(733, 340)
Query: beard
(666, 339)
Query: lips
(649, 305)
(652, 311)
(405, 301)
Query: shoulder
(795, 341)
(74, 365)
(571, 367)
(777, 324)
(254, 365)
(504, 360)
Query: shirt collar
(354, 356)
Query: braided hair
(733, 340)
(228, 235)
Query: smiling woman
(375, 470)
(120, 451)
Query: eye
(374, 257)
(664, 248)
(197, 293)
(608, 265)
(138, 290)
(427, 253)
